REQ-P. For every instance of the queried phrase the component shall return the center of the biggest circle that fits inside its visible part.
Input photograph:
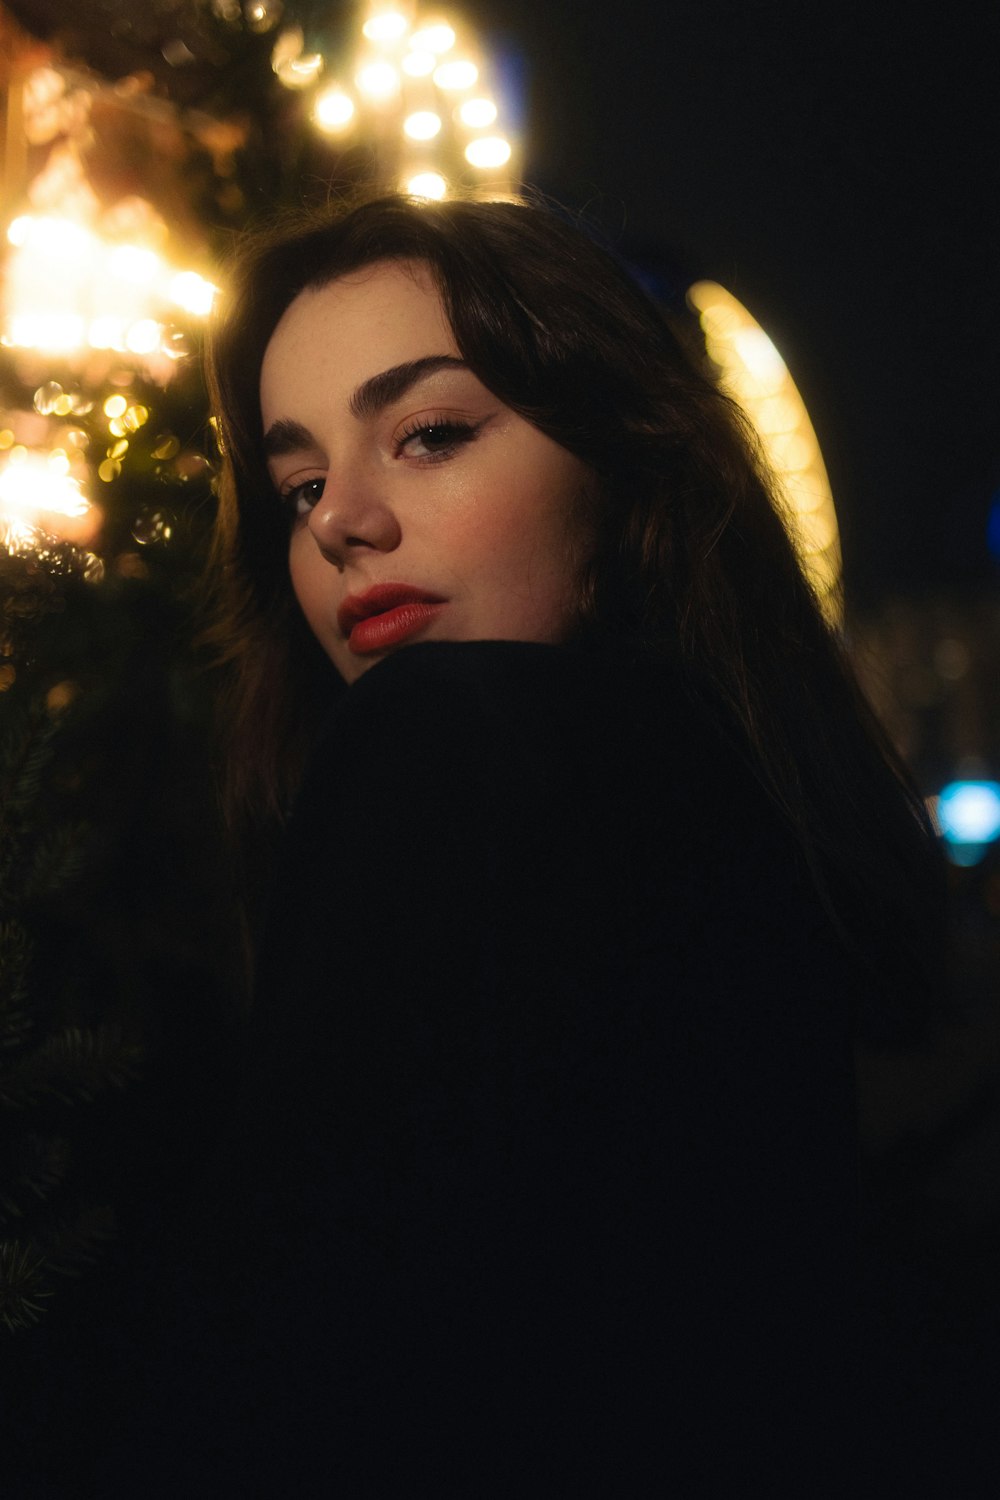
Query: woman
(544, 1174)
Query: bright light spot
(58, 461)
(477, 113)
(422, 126)
(119, 449)
(34, 485)
(969, 812)
(379, 80)
(115, 406)
(456, 75)
(143, 336)
(419, 64)
(760, 356)
(386, 26)
(56, 333)
(193, 293)
(106, 333)
(491, 151)
(133, 263)
(439, 38)
(299, 72)
(427, 185)
(136, 416)
(109, 470)
(333, 110)
(19, 229)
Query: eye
(300, 498)
(429, 442)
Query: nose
(352, 516)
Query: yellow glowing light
(54, 333)
(427, 185)
(193, 293)
(491, 151)
(136, 417)
(33, 486)
(385, 26)
(19, 229)
(109, 470)
(456, 75)
(419, 64)
(299, 72)
(58, 461)
(6, 439)
(106, 332)
(333, 110)
(117, 427)
(119, 449)
(438, 38)
(143, 336)
(115, 406)
(422, 126)
(477, 113)
(134, 264)
(756, 375)
(378, 80)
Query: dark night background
(835, 168)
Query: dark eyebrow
(381, 390)
(371, 396)
(287, 437)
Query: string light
(422, 126)
(334, 110)
(753, 371)
(426, 185)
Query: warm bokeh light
(426, 185)
(456, 75)
(38, 495)
(66, 289)
(135, 264)
(754, 373)
(422, 126)
(477, 113)
(115, 406)
(193, 293)
(386, 26)
(419, 64)
(491, 151)
(333, 110)
(377, 80)
(437, 38)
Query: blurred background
(809, 192)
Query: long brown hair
(694, 561)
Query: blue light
(993, 526)
(968, 812)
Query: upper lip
(376, 600)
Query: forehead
(334, 337)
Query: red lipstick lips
(386, 615)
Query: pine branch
(15, 958)
(75, 1064)
(58, 859)
(34, 1166)
(24, 1287)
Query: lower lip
(378, 632)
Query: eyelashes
(420, 442)
(439, 439)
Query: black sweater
(542, 1177)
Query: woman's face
(420, 506)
